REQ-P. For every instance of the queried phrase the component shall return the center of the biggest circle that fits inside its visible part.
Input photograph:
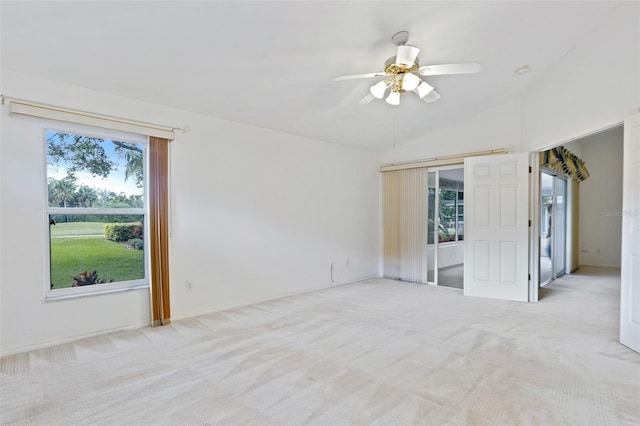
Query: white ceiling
(270, 63)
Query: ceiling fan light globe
(423, 89)
(406, 55)
(393, 98)
(410, 81)
(378, 89)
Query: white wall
(255, 214)
(601, 199)
(258, 214)
(496, 128)
(596, 85)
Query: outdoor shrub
(119, 231)
(88, 278)
(138, 232)
(136, 243)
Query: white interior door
(630, 268)
(497, 227)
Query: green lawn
(76, 228)
(70, 256)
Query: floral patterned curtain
(564, 162)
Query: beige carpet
(377, 352)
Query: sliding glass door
(445, 219)
(432, 226)
(423, 225)
(560, 227)
(553, 229)
(546, 219)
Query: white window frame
(72, 292)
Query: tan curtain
(159, 229)
(404, 223)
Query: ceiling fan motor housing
(390, 66)
(396, 72)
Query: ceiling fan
(402, 73)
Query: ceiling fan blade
(366, 99)
(431, 97)
(356, 76)
(464, 68)
(406, 55)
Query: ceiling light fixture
(378, 89)
(410, 82)
(522, 70)
(406, 55)
(402, 73)
(393, 98)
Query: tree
(133, 157)
(104, 196)
(83, 153)
(119, 201)
(85, 196)
(61, 192)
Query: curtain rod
(440, 161)
(183, 129)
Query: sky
(115, 182)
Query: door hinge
(530, 169)
(529, 277)
(529, 223)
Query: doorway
(445, 218)
(585, 230)
(553, 229)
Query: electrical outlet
(188, 286)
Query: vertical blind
(404, 224)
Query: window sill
(75, 292)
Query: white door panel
(630, 268)
(496, 227)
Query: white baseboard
(615, 266)
(56, 342)
(226, 307)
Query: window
(451, 215)
(97, 212)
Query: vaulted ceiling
(270, 63)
